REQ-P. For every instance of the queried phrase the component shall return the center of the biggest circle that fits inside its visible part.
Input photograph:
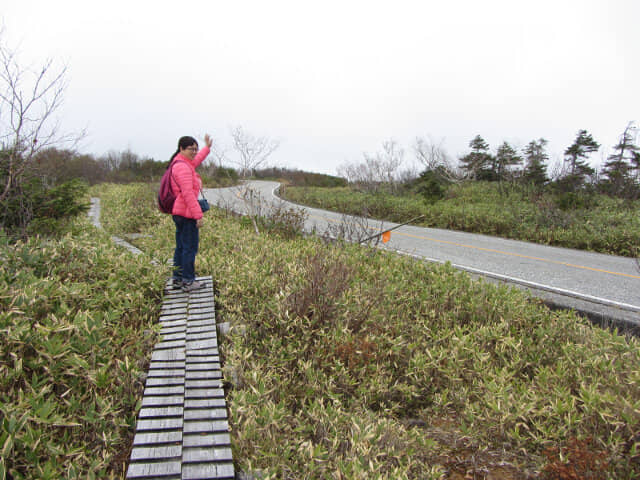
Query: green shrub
(34, 208)
(431, 186)
(575, 201)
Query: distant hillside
(298, 178)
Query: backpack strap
(173, 162)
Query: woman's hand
(199, 222)
(207, 140)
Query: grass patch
(76, 319)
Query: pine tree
(618, 171)
(635, 163)
(506, 157)
(575, 156)
(479, 161)
(535, 170)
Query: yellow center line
(546, 260)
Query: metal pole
(390, 229)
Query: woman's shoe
(173, 284)
(195, 285)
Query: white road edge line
(527, 283)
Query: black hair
(183, 143)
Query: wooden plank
(202, 375)
(169, 330)
(175, 372)
(161, 412)
(205, 471)
(167, 319)
(164, 390)
(210, 335)
(170, 344)
(200, 297)
(193, 393)
(180, 320)
(208, 471)
(194, 354)
(162, 401)
(206, 440)
(194, 367)
(163, 452)
(199, 344)
(202, 335)
(202, 309)
(171, 311)
(197, 306)
(173, 293)
(156, 438)
(160, 469)
(206, 291)
(164, 382)
(225, 470)
(200, 316)
(168, 355)
(195, 360)
(158, 424)
(154, 365)
(175, 300)
(201, 328)
(202, 455)
(205, 403)
(208, 383)
(202, 323)
(173, 336)
(210, 426)
(171, 299)
(205, 414)
(169, 307)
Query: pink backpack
(166, 197)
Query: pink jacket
(186, 183)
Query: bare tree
(29, 100)
(356, 229)
(381, 169)
(389, 161)
(219, 153)
(434, 158)
(110, 160)
(252, 151)
(558, 169)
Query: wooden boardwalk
(182, 430)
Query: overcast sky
(333, 79)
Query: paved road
(597, 284)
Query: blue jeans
(184, 257)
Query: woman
(187, 214)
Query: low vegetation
(76, 318)
(342, 362)
(583, 221)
